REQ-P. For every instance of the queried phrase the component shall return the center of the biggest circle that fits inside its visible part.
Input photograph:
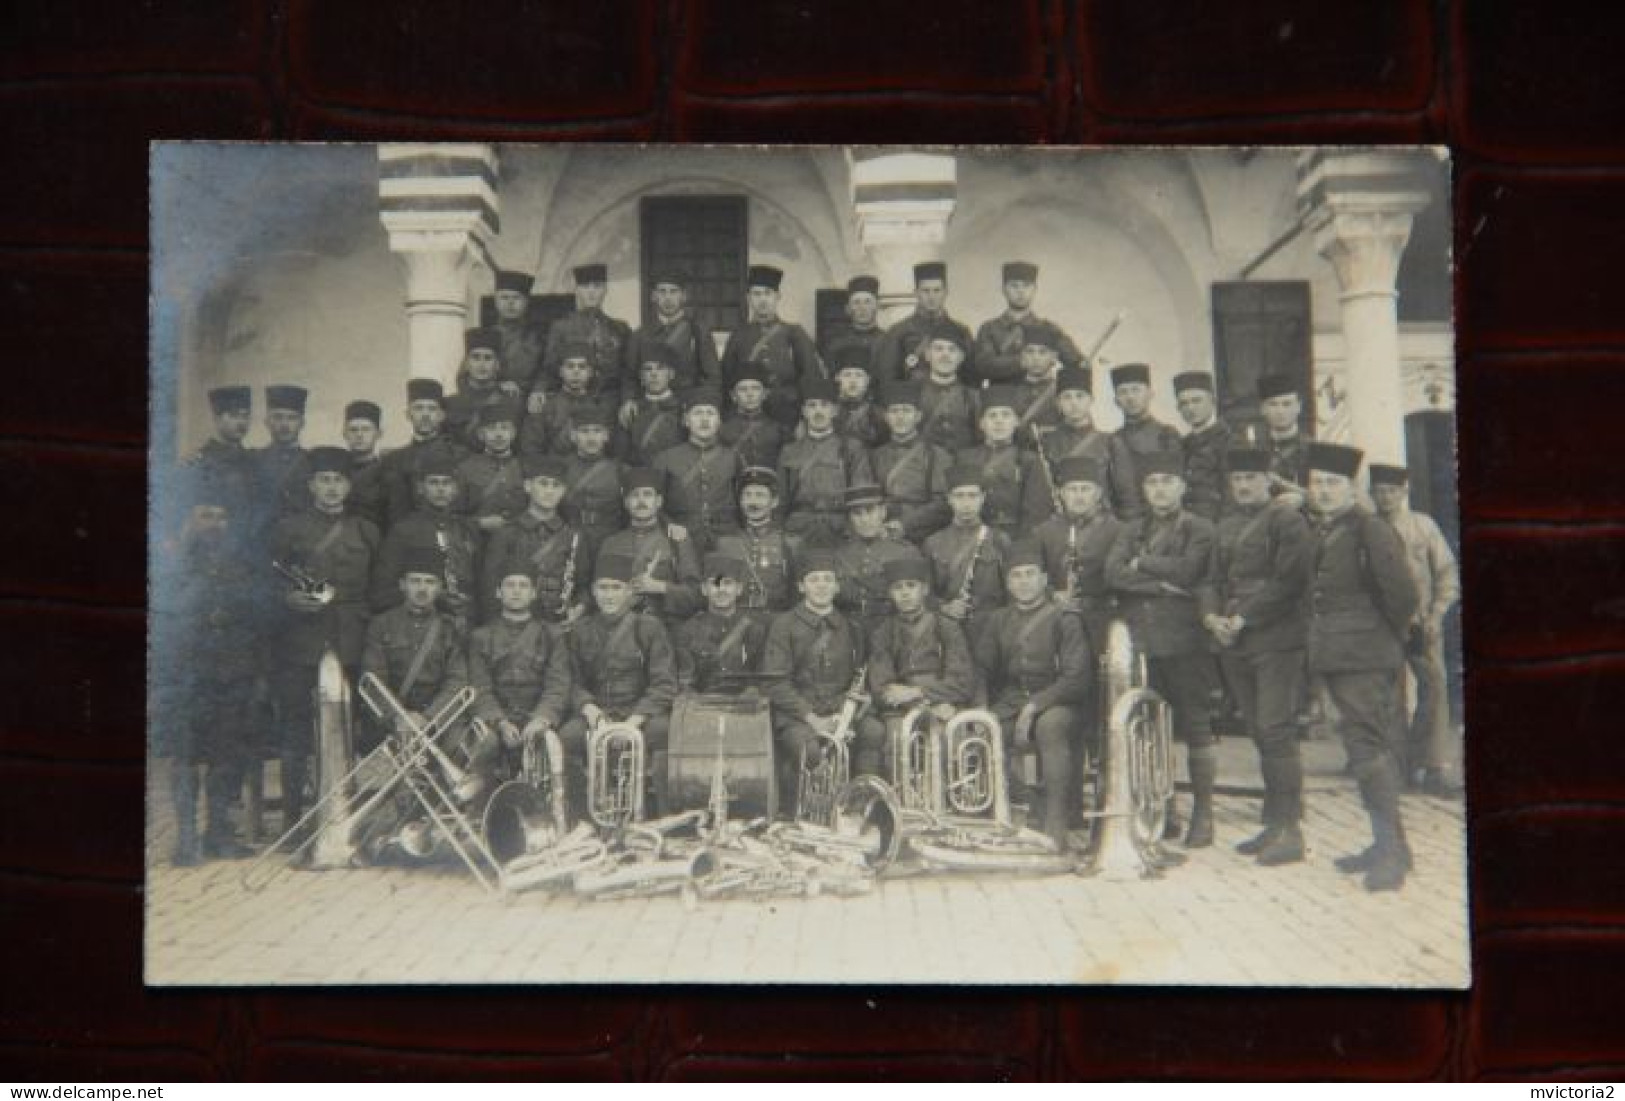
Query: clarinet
(966, 588)
(567, 585)
(443, 542)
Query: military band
(592, 525)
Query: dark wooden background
(1530, 95)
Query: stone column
(902, 203)
(1360, 207)
(439, 204)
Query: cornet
(307, 583)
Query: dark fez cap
(764, 275)
(913, 567)
(1022, 270)
(1276, 386)
(1193, 380)
(1247, 460)
(1385, 474)
(364, 411)
(544, 466)
(224, 399)
(1334, 458)
(489, 339)
(1074, 378)
(286, 397)
(1131, 372)
(818, 388)
(1167, 461)
(931, 269)
(862, 284)
(516, 281)
(329, 459)
(644, 477)
(723, 565)
(863, 496)
(1079, 468)
(615, 567)
(424, 389)
(423, 558)
(591, 273)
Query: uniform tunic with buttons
(1207, 473)
(282, 476)
(861, 421)
(861, 566)
(901, 353)
(522, 349)
(492, 485)
(712, 646)
(1260, 572)
(626, 673)
(948, 415)
(693, 350)
(463, 411)
(674, 561)
(1155, 565)
(394, 639)
(757, 437)
(1036, 655)
(701, 488)
(593, 499)
(552, 551)
(927, 651)
(1361, 595)
(1145, 436)
(230, 472)
(814, 475)
(369, 494)
(785, 355)
(1017, 493)
(609, 341)
(769, 554)
(521, 671)
(813, 659)
(343, 559)
(548, 432)
(914, 477)
(403, 472)
(951, 552)
(1000, 340)
(1075, 553)
(656, 425)
(446, 531)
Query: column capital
(1364, 241)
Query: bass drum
(745, 730)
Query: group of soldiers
(596, 520)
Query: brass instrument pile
(945, 808)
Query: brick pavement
(1218, 920)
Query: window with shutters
(706, 239)
(1261, 329)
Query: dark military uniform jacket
(282, 476)
(953, 554)
(929, 652)
(769, 554)
(339, 550)
(656, 425)
(209, 626)
(610, 341)
(1207, 473)
(787, 358)
(369, 490)
(914, 476)
(757, 437)
(861, 421)
(548, 432)
(702, 488)
(901, 353)
(623, 665)
(522, 349)
(395, 639)
(1035, 409)
(492, 485)
(1017, 491)
(1036, 655)
(1062, 441)
(463, 412)
(674, 561)
(557, 555)
(868, 339)
(813, 659)
(593, 499)
(949, 415)
(711, 647)
(814, 473)
(403, 469)
(1000, 340)
(1075, 553)
(1260, 572)
(1158, 595)
(1145, 436)
(693, 350)
(861, 566)
(1289, 458)
(230, 473)
(459, 544)
(1361, 595)
(521, 671)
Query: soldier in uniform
(403, 468)
(656, 420)
(666, 581)
(204, 691)
(863, 329)
(624, 671)
(520, 348)
(1074, 435)
(1155, 567)
(1000, 341)
(723, 641)
(860, 561)
(415, 649)
(281, 467)
(337, 549)
(702, 475)
(363, 425)
(949, 410)
(593, 498)
(1017, 490)
(912, 471)
(556, 555)
(968, 557)
(1205, 445)
(608, 341)
(1252, 606)
(815, 656)
(748, 429)
(857, 416)
(223, 462)
(1141, 434)
(479, 384)
(1282, 409)
(519, 668)
(1431, 758)
(781, 350)
(578, 394)
(1036, 663)
(816, 470)
(493, 485)
(918, 657)
(1361, 604)
(1076, 542)
(438, 525)
(768, 552)
(1035, 387)
(902, 352)
(693, 353)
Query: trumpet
(306, 582)
(615, 762)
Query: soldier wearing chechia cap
(1280, 403)
(781, 350)
(816, 470)
(693, 351)
(1361, 603)
(761, 543)
(1000, 340)
(223, 464)
(280, 466)
(558, 555)
(902, 352)
(863, 328)
(702, 474)
(520, 349)
(724, 640)
(479, 384)
(1076, 542)
(437, 523)
(402, 473)
(1205, 444)
(608, 339)
(911, 470)
(862, 558)
(748, 428)
(363, 425)
(1141, 434)
(918, 656)
(666, 582)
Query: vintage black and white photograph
(658, 564)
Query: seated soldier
(815, 658)
(861, 560)
(1035, 660)
(816, 470)
(435, 524)
(917, 657)
(724, 640)
(623, 671)
(748, 429)
(521, 671)
(557, 554)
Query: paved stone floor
(1217, 920)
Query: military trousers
(1430, 740)
(1369, 717)
(573, 734)
(792, 735)
(1186, 682)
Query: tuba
(826, 761)
(975, 784)
(334, 847)
(527, 816)
(615, 774)
(916, 765)
(1134, 778)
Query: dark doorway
(706, 239)
(1261, 329)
